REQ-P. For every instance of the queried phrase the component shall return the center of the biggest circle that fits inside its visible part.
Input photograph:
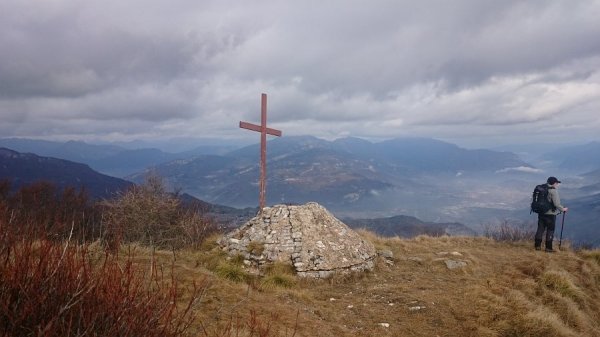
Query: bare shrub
(45, 211)
(151, 215)
(53, 289)
(196, 226)
(510, 232)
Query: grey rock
(307, 237)
(386, 254)
(454, 264)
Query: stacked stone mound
(308, 237)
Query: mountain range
(112, 160)
(581, 158)
(334, 173)
(26, 168)
(409, 226)
(432, 181)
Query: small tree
(512, 232)
(149, 214)
(47, 211)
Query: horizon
(182, 144)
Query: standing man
(547, 221)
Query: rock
(450, 253)
(416, 308)
(386, 254)
(454, 264)
(307, 237)
(385, 325)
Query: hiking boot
(550, 250)
(538, 248)
(538, 244)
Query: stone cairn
(308, 237)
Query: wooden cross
(264, 130)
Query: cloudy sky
(472, 72)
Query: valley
(431, 180)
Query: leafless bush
(150, 215)
(511, 232)
(45, 211)
(49, 288)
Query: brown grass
(506, 289)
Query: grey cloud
(86, 64)
(340, 68)
(65, 53)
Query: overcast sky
(471, 72)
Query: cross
(264, 130)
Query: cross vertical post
(264, 130)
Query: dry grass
(506, 289)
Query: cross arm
(254, 127)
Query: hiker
(547, 221)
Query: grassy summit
(505, 289)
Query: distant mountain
(280, 148)
(109, 159)
(581, 157)
(336, 174)
(415, 154)
(80, 152)
(208, 149)
(408, 227)
(357, 146)
(228, 217)
(592, 186)
(192, 145)
(310, 175)
(582, 221)
(593, 176)
(435, 155)
(130, 161)
(26, 168)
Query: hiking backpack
(539, 201)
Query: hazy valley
(431, 180)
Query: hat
(553, 180)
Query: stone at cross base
(307, 236)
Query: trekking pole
(561, 229)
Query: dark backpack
(539, 201)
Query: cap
(553, 180)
